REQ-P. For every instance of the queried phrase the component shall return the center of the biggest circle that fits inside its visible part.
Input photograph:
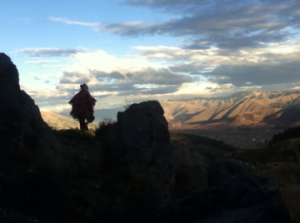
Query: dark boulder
(141, 141)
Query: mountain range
(243, 108)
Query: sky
(135, 50)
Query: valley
(243, 137)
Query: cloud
(131, 28)
(119, 75)
(102, 75)
(42, 61)
(193, 68)
(96, 26)
(45, 96)
(48, 52)
(70, 22)
(239, 76)
(181, 6)
(57, 108)
(275, 53)
(273, 65)
(227, 46)
(44, 76)
(229, 24)
(76, 81)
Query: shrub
(104, 127)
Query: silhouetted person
(83, 107)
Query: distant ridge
(58, 121)
(243, 108)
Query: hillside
(61, 122)
(281, 107)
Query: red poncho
(82, 105)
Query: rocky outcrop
(10, 98)
(21, 125)
(27, 147)
(141, 140)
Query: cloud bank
(223, 46)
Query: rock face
(10, 98)
(21, 125)
(142, 126)
(142, 142)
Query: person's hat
(84, 87)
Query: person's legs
(89, 120)
(86, 125)
(82, 123)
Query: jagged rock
(27, 145)
(21, 125)
(10, 99)
(142, 142)
(141, 126)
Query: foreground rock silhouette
(64, 176)
(142, 143)
(22, 128)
